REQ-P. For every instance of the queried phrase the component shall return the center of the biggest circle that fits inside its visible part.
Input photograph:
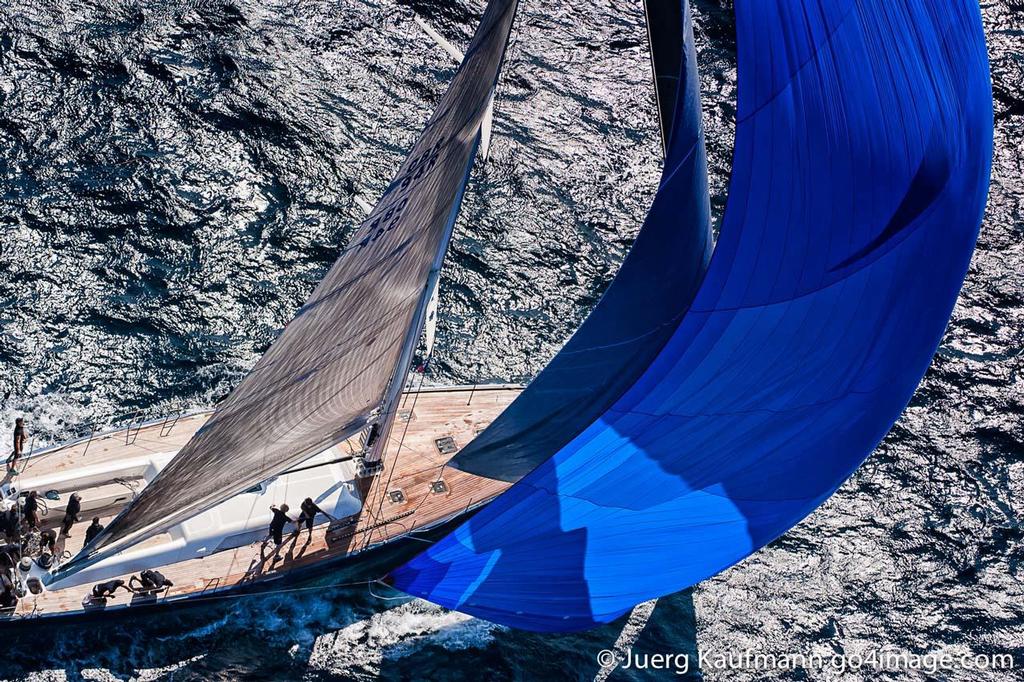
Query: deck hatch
(446, 445)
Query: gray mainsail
(329, 372)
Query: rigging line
(284, 590)
(515, 44)
(440, 469)
(423, 376)
(416, 395)
(398, 453)
(408, 533)
(369, 587)
(440, 475)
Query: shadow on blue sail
(494, 561)
(861, 166)
(929, 181)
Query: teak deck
(412, 464)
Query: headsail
(620, 338)
(862, 158)
(330, 369)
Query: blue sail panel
(863, 151)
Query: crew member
(9, 522)
(107, 589)
(309, 512)
(71, 514)
(48, 540)
(149, 581)
(278, 523)
(93, 530)
(20, 436)
(10, 555)
(31, 509)
(8, 596)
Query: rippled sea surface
(176, 176)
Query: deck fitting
(446, 445)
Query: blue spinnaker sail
(861, 166)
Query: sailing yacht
(326, 414)
(708, 403)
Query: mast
(389, 406)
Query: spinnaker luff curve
(860, 171)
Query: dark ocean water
(176, 176)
